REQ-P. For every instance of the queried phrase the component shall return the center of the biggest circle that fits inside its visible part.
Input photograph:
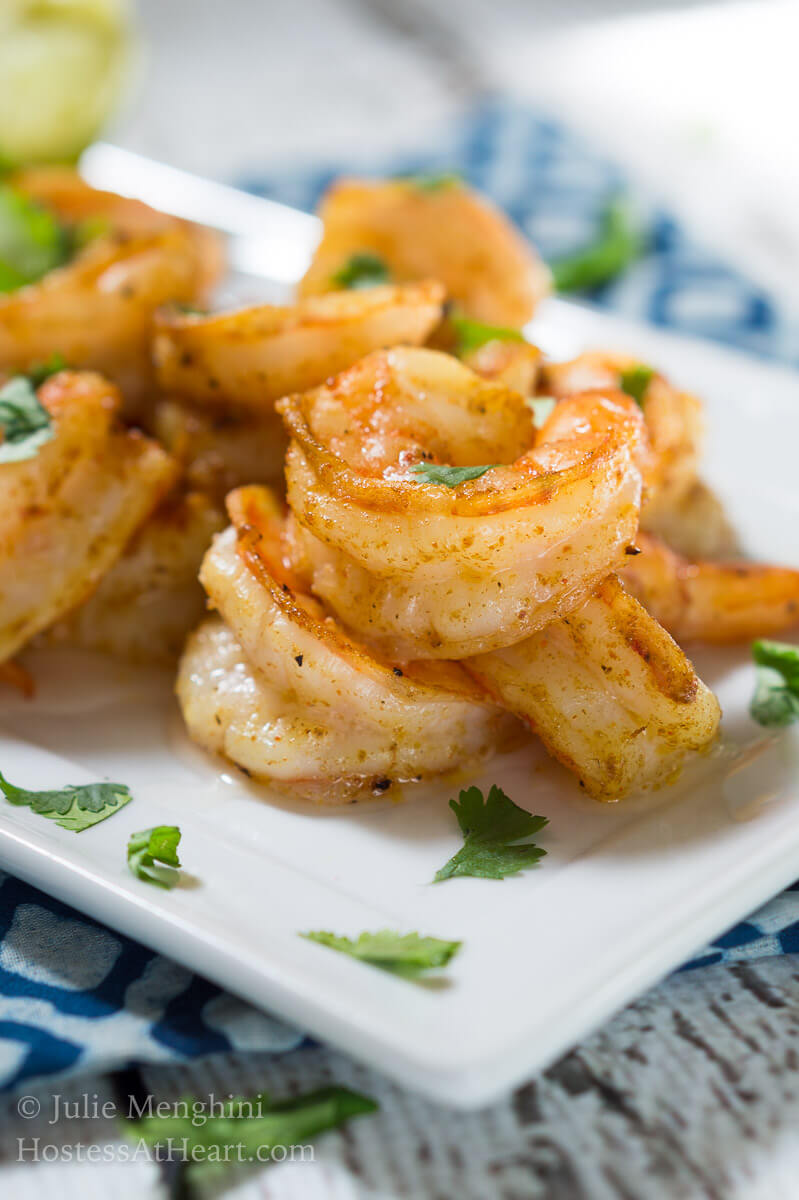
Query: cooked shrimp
(247, 359)
(712, 601)
(695, 524)
(514, 364)
(96, 310)
(68, 512)
(673, 422)
(424, 570)
(281, 691)
(151, 597)
(222, 450)
(608, 692)
(446, 232)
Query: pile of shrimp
(421, 542)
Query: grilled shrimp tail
(609, 693)
(712, 601)
(284, 693)
(68, 512)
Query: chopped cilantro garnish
(89, 230)
(153, 855)
(433, 181)
(492, 829)
(76, 806)
(776, 698)
(448, 476)
(41, 371)
(405, 954)
(25, 423)
(618, 245)
(542, 408)
(635, 380)
(32, 241)
(247, 1127)
(362, 270)
(471, 335)
(190, 310)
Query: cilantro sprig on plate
(618, 244)
(470, 335)
(406, 954)
(776, 698)
(433, 181)
(493, 828)
(76, 806)
(362, 270)
(25, 424)
(542, 408)
(32, 240)
(153, 855)
(635, 380)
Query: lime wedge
(62, 68)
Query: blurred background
(696, 101)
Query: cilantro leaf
(542, 408)
(76, 806)
(635, 380)
(41, 371)
(491, 829)
(151, 847)
(618, 245)
(449, 476)
(776, 698)
(247, 1124)
(405, 954)
(362, 270)
(433, 181)
(25, 423)
(471, 335)
(88, 230)
(32, 241)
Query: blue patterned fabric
(554, 185)
(76, 996)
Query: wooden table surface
(692, 1091)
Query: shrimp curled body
(68, 512)
(96, 310)
(281, 691)
(423, 570)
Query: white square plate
(625, 893)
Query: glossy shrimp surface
(220, 449)
(145, 605)
(447, 233)
(515, 364)
(673, 423)
(245, 360)
(96, 310)
(712, 601)
(609, 693)
(424, 570)
(67, 513)
(283, 692)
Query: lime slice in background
(62, 68)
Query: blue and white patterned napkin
(76, 996)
